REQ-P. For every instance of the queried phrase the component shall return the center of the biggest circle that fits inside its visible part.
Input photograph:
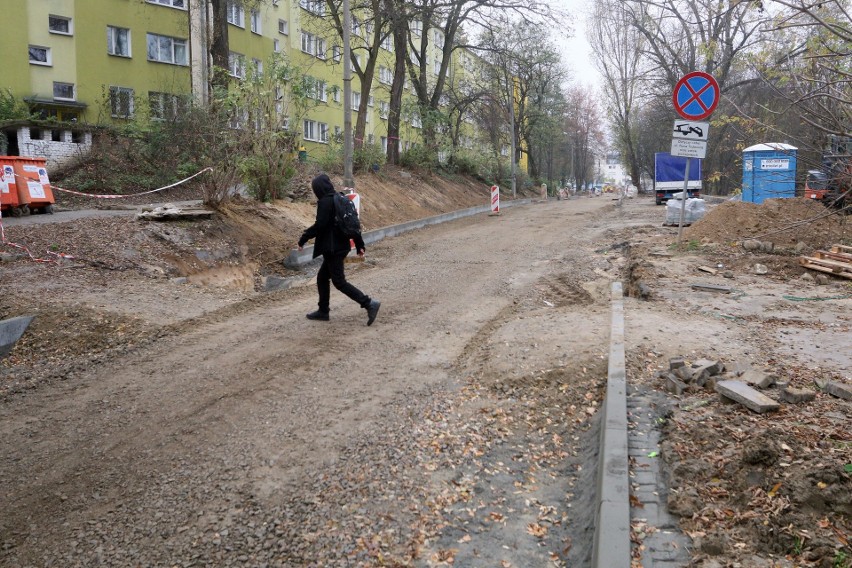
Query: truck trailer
(668, 176)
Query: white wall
(57, 153)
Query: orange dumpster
(9, 200)
(34, 190)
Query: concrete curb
(612, 521)
(298, 258)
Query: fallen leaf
(465, 538)
(537, 530)
(774, 489)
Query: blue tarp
(669, 170)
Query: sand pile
(784, 222)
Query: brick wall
(56, 144)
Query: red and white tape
(60, 256)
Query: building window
(335, 93)
(336, 53)
(384, 144)
(384, 109)
(387, 43)
(385, 76)
(323, 132)
(437, 67)
(320, 49)
(356, 100)
(237, 65)
(40, 55)
(309, 130)
(121, 102)
(276, 45)
(316, 7)
(308, 43)
(255, 22)
(258, 67)
(356, 26)
(165, 106)
(173, 3)
(283, 27)
(338, 134)
(417, 27)
(236, 15)
(118, 41)
(438, 38)
(59, 25)
(64, 91)
(166, 49)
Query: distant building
(98, 62)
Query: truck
(831, 185)
(668, 176)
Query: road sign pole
(683, 201)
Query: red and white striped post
(495, 200)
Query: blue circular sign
(696, 95)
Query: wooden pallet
(837, 261)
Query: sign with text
(775, 164)
(687, 148)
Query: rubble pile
(786, 222)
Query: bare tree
(618, 48)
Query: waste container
(34, 189)
(9, 200)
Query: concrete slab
(11, 331)
(747, 396)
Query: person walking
(334, 246)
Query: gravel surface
(152, 423)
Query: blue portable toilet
(769, 171)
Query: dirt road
(456, 426)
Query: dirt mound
(785, 222)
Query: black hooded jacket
(329, 239)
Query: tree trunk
(219, 49)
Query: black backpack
(346, 216)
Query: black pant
(332, 270)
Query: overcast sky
(576, 51)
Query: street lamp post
(348, 142)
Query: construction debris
(747, 396)
(837, 261)
(169, 212)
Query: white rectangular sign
(775, 164)
(689, 130)
(689, 148)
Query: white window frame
(385, 75)
(283, 27)
(320, 48)
(276, 45)
(179, 4)
(258, 66)
(315, 7)
(321, 91)
(356, 100)
(437, 66)
(417, 27)
(256, 22)
(111, 41)
(73, 96)
(309, 130)
(335, 94)
(174, 43)
(384, 144)
(323, 132)
(236, 65)
(48, 57)
(384, 110)
(309, 43)
(387, 43)
(438, 38)
(68, 21)
(115, 94)
(336, 53)
(236, 14)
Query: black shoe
(373, 311)
(318, 315)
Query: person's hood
(322, 186)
